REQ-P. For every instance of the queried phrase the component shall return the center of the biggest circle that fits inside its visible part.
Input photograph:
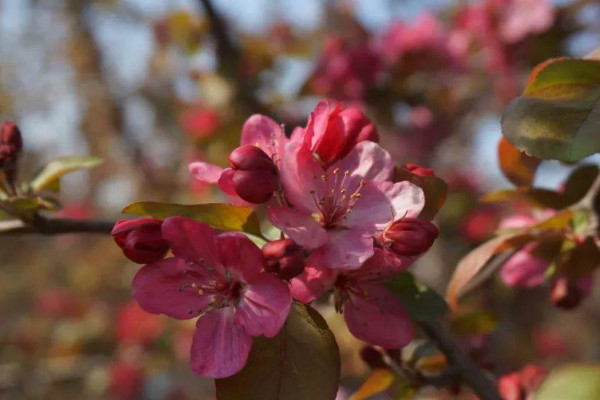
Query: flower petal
(300, 175)
(524, 269)
(191, 240)
(301, 228)
(378, 319)
(347, 249)
(407, 199)
(264, 306)
(373, 210)
(369, 161)
(381, 266)
(159, 288)
(239, 255)
(205, 172)
(263, 132)
(226, 182)
(312, 283)
(220, 347)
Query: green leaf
(574, 381)
(301, 362)
(420, 302)
(219, 216)
(48, 176)
(558, 114)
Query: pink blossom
(218, 278)
(201, 122)
(337, 209)
(524, 268)
(136, 326)
(259, 131)
(519, 18)
(372, 313)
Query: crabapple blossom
(220, 279)
(567, 293)
(140, 239)
(284, 258)
(254, 175)
(408, 236)
(373, 314)
(522, 384)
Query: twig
(474, 377)
(56, 226)
(227, 51)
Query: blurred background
(150, 85)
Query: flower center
(334, 197)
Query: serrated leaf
(558, 114)
(219, 216)
(47, 177)
(420, 302)
(574, 381)
(301, 362)
(379, 381)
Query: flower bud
(410, 236)
(11, 145)
(418, 170)
(284, 258)
(141, 239)
(372, 357)
(255, 175)
(566, 293)
(358, 126)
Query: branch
(471, 375)
(56, 226)
(227, 52)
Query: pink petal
(264, 306)
(378, 319)
(300, 175)
(220, 347)
(346, 249)
(524, 269)
(159, 288)
(191, 240)
(205, 172)
(312, 283)
(239, 255)
(381, 266)
(301, 228)
(265, 133)
(369, 161)
(407, 199)
(372, 210)
(226, 182)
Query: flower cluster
(346, 227)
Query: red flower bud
(372, 357)
(358, 126)
(418, 170)
(565, 293)
(255, 175)
(410, 236)
(11, 145)
(511, 388)
(141, 239)
(284, 258)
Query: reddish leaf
(518, 167)
(380, 380)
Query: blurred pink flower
(136, 326)
(521, 385)
(524, 269)
(218, 278)
(519, 18)
(372, 313)
(126, 381)
(200, 121)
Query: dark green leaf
(419, 301)
(219, 216)
(302, 362)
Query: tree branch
(227, 51)
(56, 226)
(473, 376)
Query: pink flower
(140, 239)
(524, 269)
(284, 258)
(333, 132)
(373, 314)
(568, 293)
(520, 18)
(136, 326)
(259, 131)
(337, 209)
(408, 236)
(522, 384)
(218, 278)
(200, 122)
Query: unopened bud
(358, 126)
(11, 145)
(565, 293)
(372, 357)
(410, 236)
(140, 239)
(284, 258)
(255, 175)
